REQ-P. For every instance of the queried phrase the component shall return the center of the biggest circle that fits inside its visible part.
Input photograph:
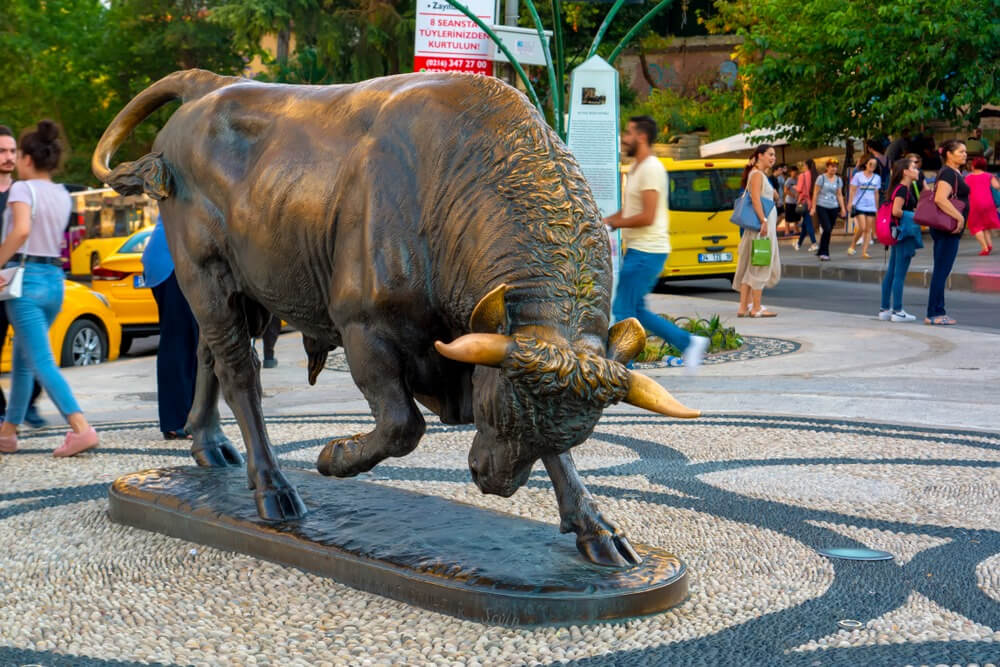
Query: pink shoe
(8, 443)
(77, 442)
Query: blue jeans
(639, 274)
(31, 316)
(945, 251)
(895, 274)
(807, 228)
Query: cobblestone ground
(745, 501)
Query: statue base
(424, 550)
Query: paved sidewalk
(858, 433)
(971, 272)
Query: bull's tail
(149, 173)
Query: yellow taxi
(700, 199)
(119, 279)
(85, 332)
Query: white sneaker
(901, 316)
(885, 315)
(860, 241)
(796, 246)
(694, 354)
(814, 247)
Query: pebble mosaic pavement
(744, 500)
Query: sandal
(763, 312)
(942, 320)
(742, 315)
(180, 434)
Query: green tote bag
(760, 253)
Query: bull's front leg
(209, 446)
(599, 540)
(378, 372)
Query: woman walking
(865, 186)
(908, 239)
(38, 210)
(805, 187)
(750, 280)
(983, 216)
(828, 201)
(949, 184)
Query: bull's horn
(644, 392)
(490, 314)
(482, 349)
(626, 340)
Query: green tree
(79, 61)
(825, 69)
(335, 40)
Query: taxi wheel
(85, 344)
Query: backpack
(884, 221)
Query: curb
(977, 281)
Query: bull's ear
(626, 340)
(490, 314)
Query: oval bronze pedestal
(424, 550)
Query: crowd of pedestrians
(894, 178)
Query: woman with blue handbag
(753, 274)
(908, 239)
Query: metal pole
(548, 66)
(557, 33)
(604, 28)
(510, 12)
(510, 18)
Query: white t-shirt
(647, 175)
(867, 186)
(48, 225)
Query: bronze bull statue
(385, 217)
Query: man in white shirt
(643, 221)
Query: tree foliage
(335, 40)
(829, 68)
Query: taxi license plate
(138, 281)
(704, 258)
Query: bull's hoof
(217, 455)
(608, 549)
(344, 457)
(279, 504)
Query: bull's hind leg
(599, 540)
(210, 446)
(376, 369)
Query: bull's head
(536, 396)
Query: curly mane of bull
(551, 370)
(564, 256)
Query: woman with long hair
(750, 280)
(38, 210)
(828, 201)
(865, 186)
(982, 209)
(805, 187)
(908, 238)
(949, 183)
